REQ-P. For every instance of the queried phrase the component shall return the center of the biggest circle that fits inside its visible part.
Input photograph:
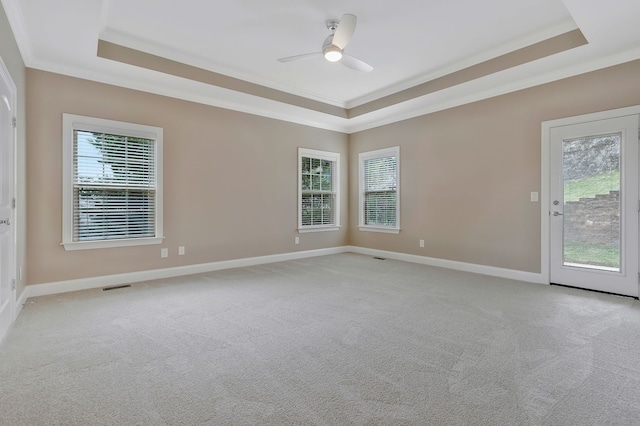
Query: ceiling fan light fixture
(332, 53)
(335, 43)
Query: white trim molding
(45, 289)
(36, 290)
(512, 274)
(22, 300)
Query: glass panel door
(593, 204)
(592, 190)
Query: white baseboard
(512, 274)
(21, 301)
(45, 289)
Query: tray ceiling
(427, 55)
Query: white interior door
(7, 222)
(594, 205)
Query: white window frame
(335, 183)
(371, 155)
(70, 123)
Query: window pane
(380, 174)
(325, 183)
(591, 221)
(316, 182)
(306, 165)
(112, 159)
(306, 182)
(306, 210)
(114, 187)
(380, 208)
(327, 209)
(113, 214)
(326, 167)
(317, 209)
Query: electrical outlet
(181, 251)
(421, 243)
(297, 240)
(164, 252)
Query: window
(112, 183)
(380, 190)
(318, 195)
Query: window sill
(379, 229)
(88, 245)
(318, 229)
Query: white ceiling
(407, 41)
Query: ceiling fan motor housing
(331, 52)
(332, 25)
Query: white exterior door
(593, 205)
(7, 185)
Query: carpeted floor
(334, 340)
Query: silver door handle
(6, 221)
(557, 213)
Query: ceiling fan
(334, 44)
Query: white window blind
(114, 192)
(113, 186)
(318, 190)
(379, 188)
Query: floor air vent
(379, 258)
(115, 287)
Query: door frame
(6, 77)
(545, 176)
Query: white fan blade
(345, 30)
(297, 57)
(355, 64)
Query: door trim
(545, 175)
(13, 309)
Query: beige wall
(466, 176)
(229, 180)
(13, 60)
(467, 172)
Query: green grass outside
(592, 254)
(584, 253)
(591, 186)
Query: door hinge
(13, 284)
(13, 203)
(14, 122)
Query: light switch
(534, 197)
